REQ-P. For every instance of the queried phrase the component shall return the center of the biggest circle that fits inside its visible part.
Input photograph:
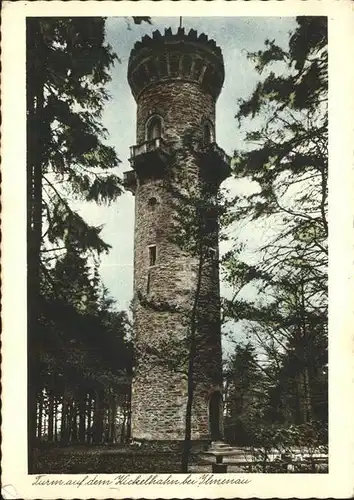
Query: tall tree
(244, 392)
(85, 351)
(285, 158)
(67, 70)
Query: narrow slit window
(152, 203)
(207, 134)
(152, 255)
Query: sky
(236, 36)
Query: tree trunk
(307, 396)
(55, 420)
(112, 420)
(95, 424)
(306, 350)
(192, 354)
(89, 419)
(104, 438)
(50, 417)
(129, 415)
(299, 400)
(35, 104)
(82, 416)
(64, 431)
(98, 417)
(123, 426)
(40, 415)
(73, 422)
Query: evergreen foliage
(80, 353)
(79, 349)
(285, 159)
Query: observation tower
(177, 168)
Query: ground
(112, 460)
(102, 459)
(118, 459)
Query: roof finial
(180, 22)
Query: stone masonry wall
(164, 293)
(182, 105)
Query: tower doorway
(215, 416)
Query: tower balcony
(129, 181)
(150, 158)
(156, 146)
(215, 163)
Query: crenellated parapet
(181, 56)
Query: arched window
(154, 128)
(208, 133)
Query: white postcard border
(338, 483)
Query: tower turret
(177, 170)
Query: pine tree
(67, 67)
(286, 160)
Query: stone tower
(177, 170)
